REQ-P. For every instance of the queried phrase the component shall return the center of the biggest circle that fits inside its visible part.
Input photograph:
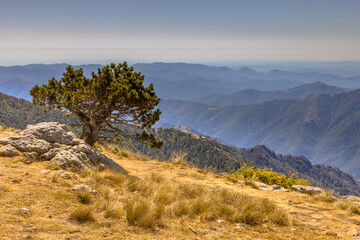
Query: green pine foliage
(113, 96)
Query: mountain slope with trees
(323, 128)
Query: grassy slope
(51, 205)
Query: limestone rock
(83, 187)
(8, 151)
(307, 189)
(55, 142)
(350, 198)
(353, 232)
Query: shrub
(268, 176)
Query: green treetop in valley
(113, 97)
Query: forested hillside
(19, 113)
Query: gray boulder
(55, 142)
(307, 189)
(8, 151)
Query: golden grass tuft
(251, 183)
(84, 197)
(142, 212)
(112, 212)
(355, 209)
(179, 159)
(82, 214)
(326, 197)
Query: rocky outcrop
(307, 189)
(54, 142)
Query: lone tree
(113, 97)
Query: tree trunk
(90, 134)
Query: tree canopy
(113, 97)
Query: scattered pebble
(45, 171)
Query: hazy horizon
(210, 31)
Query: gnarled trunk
(90, 133)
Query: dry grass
(82, 214)
(355, 209)
(179, 159)
(251, 183)
(84, 197)
(157, 201)
(326, 197)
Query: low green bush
(268, 176)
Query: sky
(89, 31)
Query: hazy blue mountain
(323, 128)
(180, 80)
(16, 87)
(250, 96)
(18, 80)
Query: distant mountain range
(178, 81)
(251, 96)
(324, 128)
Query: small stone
(220, 221)
(323, 232)
(239, 226)
(45, 171)
(27, 236)
(23, 209)
(307, 189)
(293, 229)
(16, 181)
(84, 188)
(353, 232)
(32, 229)
(65, 175)
(317, 217)
(47, 207)
(275, 187)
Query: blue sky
(80, 31)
